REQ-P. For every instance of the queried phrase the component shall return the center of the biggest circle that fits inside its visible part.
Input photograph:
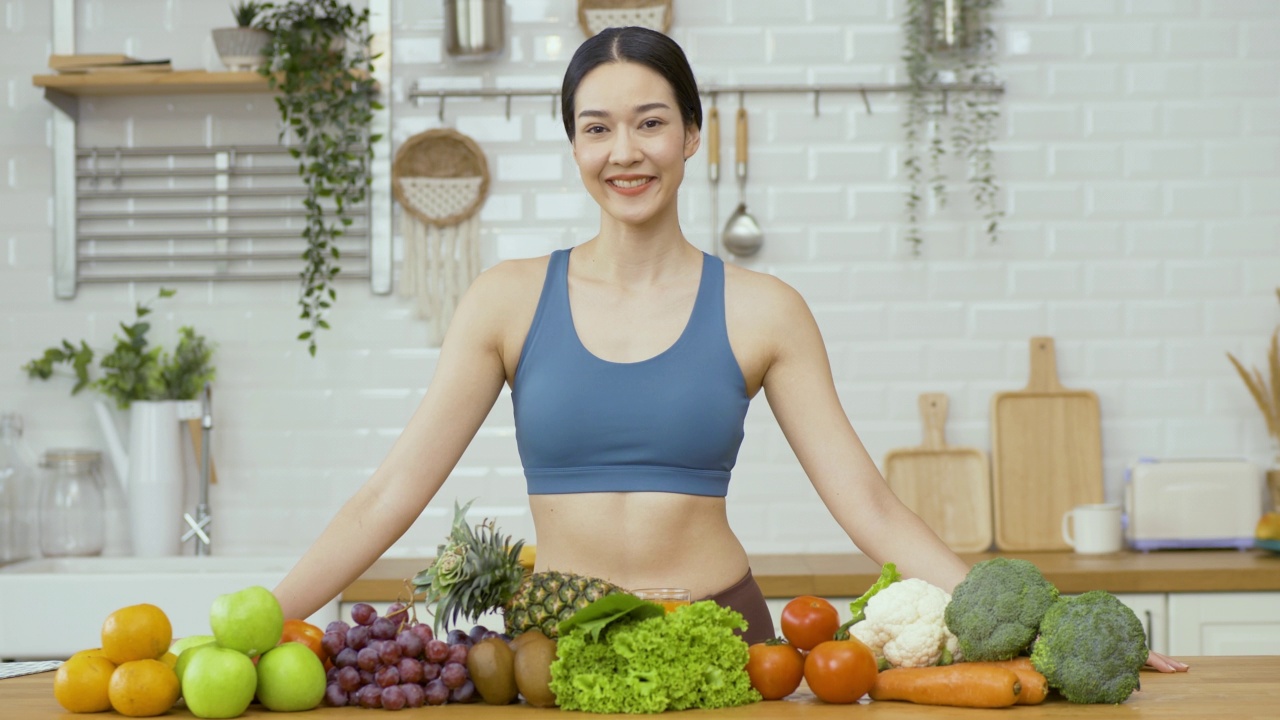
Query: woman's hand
(1164, 663)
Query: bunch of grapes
(393, 661)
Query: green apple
(290, 678)
(249, 620)
(185, 649)
(218, 682)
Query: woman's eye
(650, 124)
(594, 129)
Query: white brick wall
(1139, 147)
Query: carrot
(1034, 685)
(960, 685)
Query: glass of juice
(668, 598)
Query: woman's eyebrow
(647, 107)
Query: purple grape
(436, 693)
(334, 696)
(506, 637)
(453, 675)
(387, 676)
(337, 626)
(490, 634)
(465, 693)
(358, 637)
(437, 651)
(430, 671)
(349, 679)
(331, 674)
(423, 631)
(367, 659)
(477, 633)
(410, 670)
(370, 696)
(413, 694)
(363, 614)
(366, 678)
(346, 658)
(389, 652)
(397, 613)
(393, 698)
(410, 644)
(457, 636)
(333, 643)
(458, 654)
(383, 629)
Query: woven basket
(596, 15)
(440, 153)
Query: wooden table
(1234, 688)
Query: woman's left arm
(802, 395)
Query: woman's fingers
(1164, 663)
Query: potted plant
(321, 68)
(1267, 397)
(244, 47)
(949, 42)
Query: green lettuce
(685, 659)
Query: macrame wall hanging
(596, 15)
(441, 179)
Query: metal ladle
(742, 234)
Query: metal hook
(713, 99)
(741, 97)
(554, 98)
(817, 95)
(440, 111)
(508, 107)
(866, 100)
(944, 103)
(93, 167)
(118, 179)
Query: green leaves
(888, 575)
(131, 371)
(319, 63)
(597, 616)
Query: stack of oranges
(131, 673)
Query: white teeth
(629, 183)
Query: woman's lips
(629, 186)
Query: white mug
(1095, 529)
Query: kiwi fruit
(525, 637)
(533, 671)
(491, 665)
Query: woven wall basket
(596, 15)
(441, 179)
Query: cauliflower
(904, 626)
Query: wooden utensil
(949, 487)
(197, 442)
(1046, 454)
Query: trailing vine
(970, 116)
(321, 68)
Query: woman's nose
(625, 151)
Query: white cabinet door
(1153, 610)
(1224, 623)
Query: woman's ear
(692, 140)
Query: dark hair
(638, 45)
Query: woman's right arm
(467, 380)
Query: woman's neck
(637, 251)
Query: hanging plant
(320, 66)
(950, 41)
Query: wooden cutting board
(1046, 455)
(949, 487)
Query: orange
(95, 652)
(143, 688)
(80, 685)
(169, 659)
(137, 632)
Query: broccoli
(1091, 648)
(996, 610)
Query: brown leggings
(745, 597)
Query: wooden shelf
(160, 83)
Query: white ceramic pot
(241, 48)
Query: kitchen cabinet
(1224, 623)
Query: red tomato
(840, 671)
(304, 632)
(775, 669)
(809, 620)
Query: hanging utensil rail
(419, 93)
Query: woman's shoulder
(511, 279)
(761, 292)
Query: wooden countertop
(786, 576)
(1226, 687)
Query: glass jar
(72, 506)
(17, 493)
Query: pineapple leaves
(609, 609)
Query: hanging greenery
(950, 41)
(321, 68)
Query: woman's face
(630, 142)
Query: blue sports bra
(671, 423)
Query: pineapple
(477, 571)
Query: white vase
(241, 48)
(156, 480)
